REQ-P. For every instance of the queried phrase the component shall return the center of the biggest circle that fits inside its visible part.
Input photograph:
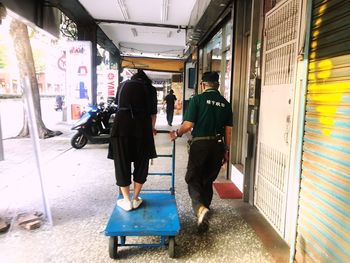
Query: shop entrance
(276, 111)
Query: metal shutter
(323, 232)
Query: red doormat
(227, 191)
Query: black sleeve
(151, 94)
(116, 95)
(154, 100)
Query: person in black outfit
(209, 116)
(132, 136)
(59, 102)
(170, 105)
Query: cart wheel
(171, 247)
(113, 247)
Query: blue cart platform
(157, 216)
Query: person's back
(134, 115)
(132, 136)
(170, 106)
(170, 100)
(212, 114)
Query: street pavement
(80, 189)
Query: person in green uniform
(209, 116)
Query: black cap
(210, 76)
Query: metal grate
(280, 64)
(272, 172)
(281, 25)
(280, 37)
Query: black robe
(136, 101)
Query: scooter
(94, 125)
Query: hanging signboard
(112, 82)
(107, 82)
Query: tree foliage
(3, 63)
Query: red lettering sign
(110, 88)
(61, 63)
(110, 76)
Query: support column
(253, 98)
(1, 144)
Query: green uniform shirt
(210, 112)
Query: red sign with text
(111, 78)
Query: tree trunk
(24, 55)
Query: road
(11, 115)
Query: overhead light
(164, 11)
(169, 34)
(134, 32)
(123, 9)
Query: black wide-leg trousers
(204, 163)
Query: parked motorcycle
(94, 125)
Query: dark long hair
(141, 75)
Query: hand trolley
(157, 216)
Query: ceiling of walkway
(151, 28)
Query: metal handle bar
(163, 131)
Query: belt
(136, 110)
(206, 138)
(132, 110)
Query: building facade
(284, 67)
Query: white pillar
(29, 105)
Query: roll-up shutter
(323, 232)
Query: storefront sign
(78, 74)
(112, 77)
(107, 82)
(78, 65)
(61, 62)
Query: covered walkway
(82, 194)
